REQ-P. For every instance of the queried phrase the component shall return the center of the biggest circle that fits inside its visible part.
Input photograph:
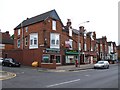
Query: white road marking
(76, 71)
(63, 83)
(87, 75)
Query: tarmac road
(90, 78)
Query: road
(90, 78)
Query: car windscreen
(100, 62)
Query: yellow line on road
(8, 75)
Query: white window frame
(18, 43)
(26, 29)
(79, 46)
(18, 31)
(33, 36)
(54, 24)
(85, 47)
(55, 36)
(71, 43)
(2, 46)
(101, 50)
(91, 48)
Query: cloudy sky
(102, 14)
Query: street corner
(4, 75)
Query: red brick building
(118, 51)
(102, 48)
(6, 43)
(112, 51)
(45, 39)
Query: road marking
(8, 75)
(76, 71)
(63, 83)
(87, 75)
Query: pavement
(69, 68)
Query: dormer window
(53, 25)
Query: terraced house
(6, 43)
(45, 39)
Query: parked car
(1, 60)
(101, 64)
(10, 62)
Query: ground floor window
(46, 58)
(71, 58)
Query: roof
(7, 41)
(53, 14)
(75, 31)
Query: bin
(35, 64)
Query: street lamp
(79, 42)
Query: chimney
(27, 18)
(7, 32)
(81, 28)
(69, 22)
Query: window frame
(19, 31)
(26, 41)
(56, 38)
(18, 43)
(26, 29)
(33, 37)
(54, 24)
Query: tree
(12, 37)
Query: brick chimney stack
(69, 22)
(81, 28)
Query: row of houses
(45, 39)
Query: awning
(72, 53)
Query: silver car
(101, 64)
(1, 60)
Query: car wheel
(108, 67)
(3, 64)
(10, 65)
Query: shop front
(71, 56)
(90, 57)
(51, 54)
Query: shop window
(58, 59)
(70, 59)
(45, 59)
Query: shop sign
(71, 52)
(52, 50)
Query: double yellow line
(8, 75)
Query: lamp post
(79, 42)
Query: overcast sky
(102, 14)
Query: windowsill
(58, 63)
(46, 63)
(33, 47)
(50, 63)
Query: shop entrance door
(52, 57)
